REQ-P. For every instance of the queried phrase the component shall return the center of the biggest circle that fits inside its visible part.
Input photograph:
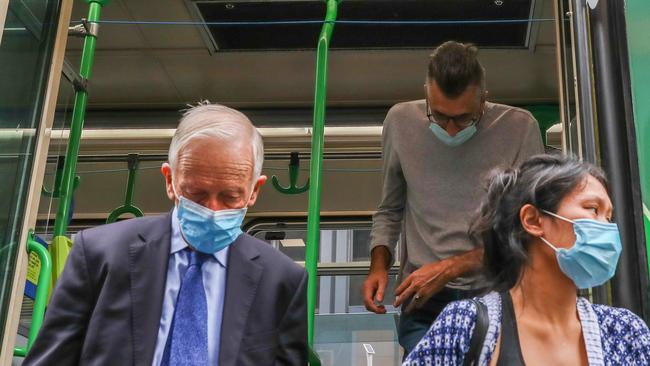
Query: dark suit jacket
(107, 304)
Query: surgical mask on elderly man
(592, 260)
(206, 230)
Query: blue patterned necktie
(187, 342)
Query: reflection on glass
(339, 339)
(25, 49)
(339, 247)
(47, 201)
(343, 245)
(342, 294)
(344, 331)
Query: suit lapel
(148, 260)
(243, 276)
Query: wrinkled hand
(423, 283)
(373, 291)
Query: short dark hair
(454, 66)
(542, 181)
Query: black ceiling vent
(373, 36)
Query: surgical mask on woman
(206, 230)
(592, 260)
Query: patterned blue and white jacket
(613, 336)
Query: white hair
(219, 122)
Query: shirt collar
(178, 243)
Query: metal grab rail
(42, 291)
(316, 163)
(351, 269)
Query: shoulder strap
(478, 336)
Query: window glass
(25, 52)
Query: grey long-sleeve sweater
(431, 191)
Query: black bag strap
(478, 336)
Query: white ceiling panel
(165, 36)
(129, 78)
(110, 36)
(147, 66)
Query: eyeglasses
(462, 121)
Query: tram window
(360, 240)
(340, 242)
(355, 297)
(342, 294)
(344, 253)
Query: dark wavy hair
(455, 66)
(542, 181)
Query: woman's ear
(531, 220)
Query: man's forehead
(226, 177)
(219, 155)
(209, 146)
(471, 91)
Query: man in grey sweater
(436, 154)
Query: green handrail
(42, 290)
(128, 206)
(316, 164)
(58, 250)
(56, 191)
(294, 170)
(313, 358)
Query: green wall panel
(638, 29)
(546, 115)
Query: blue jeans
(413, 326)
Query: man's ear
(531, 220)
(166, 171)
(256, 190)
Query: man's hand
(375, 285)
(431, 278)
(373, 291)
(423, 283)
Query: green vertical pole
(315, 178)
(59, 248)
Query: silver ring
(416, 297)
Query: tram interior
(145, 73)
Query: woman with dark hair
(546, 231)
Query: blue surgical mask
(206, 230)
(592, 260)
(458, 139)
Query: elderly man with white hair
(186, 288)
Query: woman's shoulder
(625, 336)
(619, 320)
(467, 308)
(449, 337)
(459, 317)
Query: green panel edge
(637, 14)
